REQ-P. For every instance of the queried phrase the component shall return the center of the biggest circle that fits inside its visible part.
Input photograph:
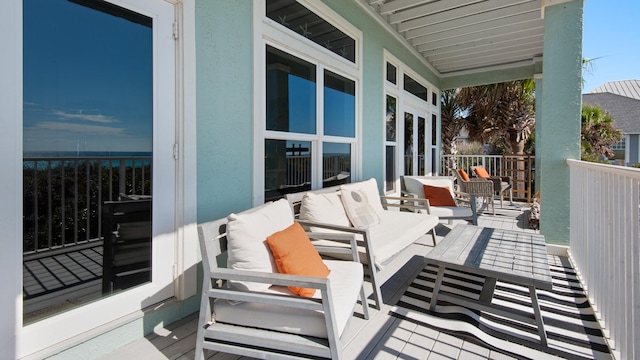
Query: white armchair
(413, 189)
(253, 312)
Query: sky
(87, 80)
(611, 36)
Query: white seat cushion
(345, 280)
(451, 211)
(396, 231)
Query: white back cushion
(323, 208)
(246, 236)
(359, 211)
(415, 185)
(370, 189)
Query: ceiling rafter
(479, 30)
(524, 12)
(455, 37)
(399, 5)
(520, 43)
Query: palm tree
(450, 113)
(597, 133)
(496, 110)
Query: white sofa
(382, 234)
(246, 305)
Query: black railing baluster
(49, 208)
(47, 204)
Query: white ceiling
(466, 36)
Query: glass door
(417, 139)
(98, 169)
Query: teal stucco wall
(558, 139)
(224, 53)
(224, 87)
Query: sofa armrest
(341, 238)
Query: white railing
(521, 169)
(605, 248)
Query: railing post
(122, 181)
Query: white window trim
(267, 32)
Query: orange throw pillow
(438, 196)
(463, 175)
(294, 254)
(481, 172)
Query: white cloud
(87, 117)
(80, 128)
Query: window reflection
(291, 93)
(391, 118)
(287, 168)
(408, 143)
(294, 16)
(415, 88)
(339, 105)
(390, 171)
(336, 164)
(392, 73)
(87, 128)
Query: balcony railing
(521, 169)
(605, 248)
(63, 197)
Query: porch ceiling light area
(466, 36)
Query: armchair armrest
(294, 301)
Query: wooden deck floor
(381, 337)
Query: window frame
(268, 32)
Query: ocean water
(87, 154)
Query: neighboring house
(622, 100)
(209, 107)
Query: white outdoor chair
(274, 323)
(413, 188)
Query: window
(299, 19)
(291, 113)
(339, 105)
(415, 88)
(391, 125)
(392, 73)
(291, 93)
(620, 145)
(307, 100)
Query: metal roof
(466, 36)
(627, 88)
